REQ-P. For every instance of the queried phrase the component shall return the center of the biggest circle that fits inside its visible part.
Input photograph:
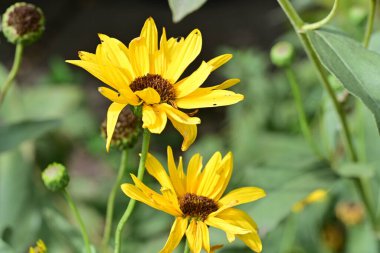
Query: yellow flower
(40, 247)
(196, 202)
(148, 72)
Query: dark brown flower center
(25, 19)
(195, 206)
(161, 85)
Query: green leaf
(356, 170)
(182, 8)
(355, 67)
(13, 135)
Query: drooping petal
(189, 132)
(205, 236)
(213, 98)
(185, 53)
(149, 32)
(149, 95)
(179, 116)
(194, 236)
(176, 233)
(241, 195)
(219, 61)
(155, 169)
(192, 82)
(154, 118)
(225, 226)
(112, 116)
(242, 219)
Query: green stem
(13, 72)
(297, 24)
(186, 249)
(370, 22)
(305, 128)
(132, 202)
(74, 208)
(362, 186)
(319, 24)
(111, 198)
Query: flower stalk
(83, 230)
(112, 196)
(370, 22)
(186, 249)
(12, 74)
(132, 202)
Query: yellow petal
(205, 91)
(210, 176)
(128, 94)
(175, 177)
(95, 70)
(205, 236)
(154, 119)
(219, 61)
(176, 233)
(149, 95)
(225, 226)
(113, 53)
(192, 82)
(225, 171)
(189, 133)
(139, 56)
(242, 195)
(194, 236)
(214, 98)
(152, 198)
(149, 32)
(85, 56)
(252, 240)
(155, 169)
(112, 95)
(185, 53)
(193, 171)
(112, 116)
(179, 116)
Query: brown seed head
(195, 206)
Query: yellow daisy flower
(196, 201)
(148, 72)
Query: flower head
(55, 177)
(148, 73)
(23, 22)
(196, 201)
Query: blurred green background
(262, 131)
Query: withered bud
(127, 129)
(23, 22)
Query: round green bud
(282, 54)
(23, 23)
(55, 177)
(127, 129)
(357, 15)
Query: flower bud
(349, 213)
(282, 54)
(55, 177)
(23, 22)
(127, 130)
